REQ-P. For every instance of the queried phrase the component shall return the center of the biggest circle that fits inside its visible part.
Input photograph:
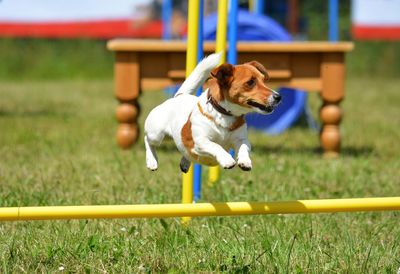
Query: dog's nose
(277, 97)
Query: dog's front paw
(227, 162)
(245, 164)
(152, 164)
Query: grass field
(57, 148)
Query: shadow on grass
(362, 151)
(347, 151)
(168, 145)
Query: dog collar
(235, 125)
(217, 106)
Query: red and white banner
(77, 18)
(376, 19)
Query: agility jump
(198, 210)
(187, 209)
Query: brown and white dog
(205, 127)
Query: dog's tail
(200, 74)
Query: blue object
(233, 31)
(166, 13)
(333, 20)
(259, 6)
(200, 52)
(232, 38)
(251, 27)
(197, 182)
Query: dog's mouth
(265, 109)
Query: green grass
(57, 147)
(44, 59)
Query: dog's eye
(251, 82)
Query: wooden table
(154, 64)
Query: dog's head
(242, 88)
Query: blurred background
(57, 147)
(46, 39)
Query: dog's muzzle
(264, 108)
(269, 106)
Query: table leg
(333, 74)
(127, 91)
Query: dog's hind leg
(184, 164)
(151, 155)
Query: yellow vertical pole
(251, 5)
(221, 28)
(191, 61)
(213, 173)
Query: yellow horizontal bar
(197, 210)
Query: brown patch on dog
(248, 84)
(239, 84)
(188, 142)
(224, 75)
(238, 123)
(214, 90)
(186, 135)
(220, 81)
(260, 68)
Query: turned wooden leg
(331, 115)
(128, 130)
(127, 91)
(332, 74)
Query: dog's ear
(260, 68)
(224, 74)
